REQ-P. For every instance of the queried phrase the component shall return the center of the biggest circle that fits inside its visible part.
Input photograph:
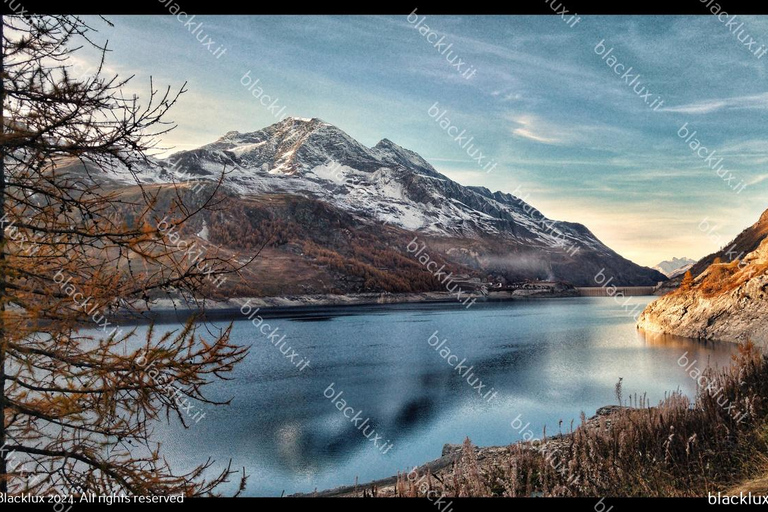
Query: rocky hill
(728, 301)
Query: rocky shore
(727, 302)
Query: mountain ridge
(495, 233)
(353, 155)
(675, 266)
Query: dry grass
(757, 485)
(678, 448)
(723, 278)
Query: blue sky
(569, 134)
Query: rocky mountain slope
(746, 242)
(386, 183)
(728, 301)
(332, 193)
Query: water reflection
(670, 340)
(548, 360)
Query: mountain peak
(389, 184)
(234, 134)
(398, 156)
(386, 143)
(313, 120)
(675, 266)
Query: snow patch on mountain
(386, 183)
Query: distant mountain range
(347, 213)
(675, 266)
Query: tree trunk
(3, 465)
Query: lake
(547, 360)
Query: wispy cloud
(565, 132)
(532, 128)
(758, 179)
(541, 104)
(752, 102)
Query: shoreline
(318, 306)
(451, 453)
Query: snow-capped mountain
(675, 266)
(388, 184)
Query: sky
(548, 99)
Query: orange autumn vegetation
(77, 411)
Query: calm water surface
(549, 360)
